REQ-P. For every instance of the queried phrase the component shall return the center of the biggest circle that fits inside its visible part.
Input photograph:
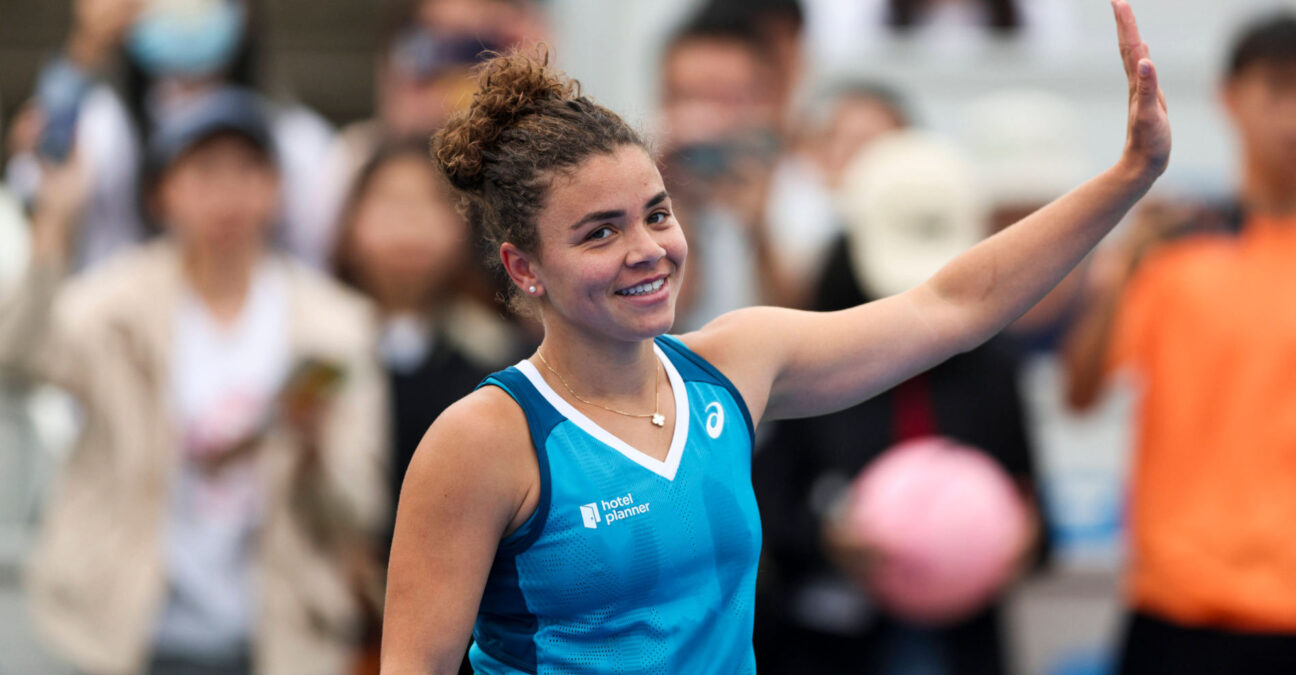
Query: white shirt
(224, 379)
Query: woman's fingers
(1126, 35)
(1148, 143)
(1149, 103)
(1132, 47)
(1148, 90)
(1135, 57)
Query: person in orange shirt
(1208, 326)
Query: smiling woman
(526, 127)
(612, 271)
(525, 513)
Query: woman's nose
(644, 249)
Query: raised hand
(1147, 139)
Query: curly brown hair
(527, 122)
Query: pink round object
(947, 523)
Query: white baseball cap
(911, 203)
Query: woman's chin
(650, 327)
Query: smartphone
(312, 378)
(709, 160)
(705, 160)
(59, 94)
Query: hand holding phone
(305, 395)
(300, 403)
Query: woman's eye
(600, 233)
(657, 217)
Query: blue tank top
(629, 564)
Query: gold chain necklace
(657, 418)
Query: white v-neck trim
(666, 469)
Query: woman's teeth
(641, 289)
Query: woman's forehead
(621, 180)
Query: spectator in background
(1206, 324)
(167, 52)
(423, 76)
(755, 165)
(854, 115)
(804, 220)
(404, 245)
(502, 22)
(402, 242)
(914, 207)
(721, 125)
(219, 510)
(779, 26)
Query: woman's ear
(521, 270)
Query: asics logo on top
(609, 511)
(714, 419)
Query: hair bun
(509, 86)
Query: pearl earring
(531, 290)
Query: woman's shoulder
(487, 424)
(733, 340)
(491, 408)
(474, 464)
(746, 346)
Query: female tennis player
(590, 509)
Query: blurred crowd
(257, 315)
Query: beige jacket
(96, 578)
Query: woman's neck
(221, 279)
(600, 369)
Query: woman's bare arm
(793, 364)
(473, 479)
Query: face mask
(189, 38)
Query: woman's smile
(653, 289)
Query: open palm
(1147, 142)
